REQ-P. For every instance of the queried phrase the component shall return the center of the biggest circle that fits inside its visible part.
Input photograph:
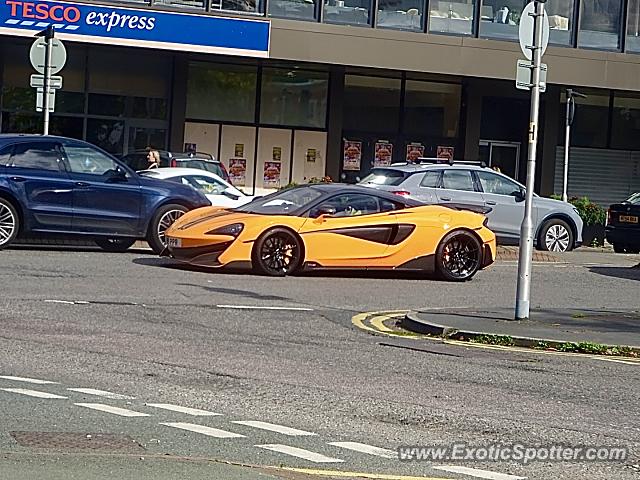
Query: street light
(571, 111)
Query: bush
(590, 213)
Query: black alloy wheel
(459, 256)
(277, 253)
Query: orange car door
(352, 231)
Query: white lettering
(143, 23)
(124, 19)
(90, 17)
(114, 19)
(151, 23)
(132, 21)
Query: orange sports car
(334, 226)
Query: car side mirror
(228, 192)
(116, 175)
(324, 211)
(520, 195)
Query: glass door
(142, 134)
(502, 156)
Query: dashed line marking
(101, 393)
(474, 472)
(261, 307)
(196, 412)
(123, 412)
(33, 393)
(368, 449)
(208, 431)
(293, 432)
(300, 453)
(27, 380)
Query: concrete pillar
(334, 133)
(178, 101)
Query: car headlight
(232, 230)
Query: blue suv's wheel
(161, 221)
(9, 223)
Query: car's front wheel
(115, 244)
(277, 253)
(161, 221)
(459, 256)
(9, 223)
(555, 236)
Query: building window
(221, 92)
(352, 12)
(600, 24)
(196, 4)
(500, 18)
(453, 17)
(251, 6)
(371, 104)
(401, 14)
(560, 14)
(591, 121)
(625, 123)
(294, 97)
(296, 9)
(431, 109)
(633, 26)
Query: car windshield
(385, 176)
(634, 199)
(285, 202)
(213, 167)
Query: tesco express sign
(137, 27)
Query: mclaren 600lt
(334, 226)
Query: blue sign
(137, 27)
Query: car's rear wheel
(277, 253)
(555, 236)
(621, 248)
(161, 221)
(9, 223)
(115, 244)
(459, 256)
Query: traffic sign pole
(47, 77)
(567, 137)
(523, 295)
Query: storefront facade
(296, 90)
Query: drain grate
(103, 442)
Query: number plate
(628, 219)
(174, 242)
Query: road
(283, 352)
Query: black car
(202, 161)
(61, 186)
(623, 229)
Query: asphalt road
(157, 335)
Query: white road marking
(69, 302)
(189, 411)
(293, 432)
(260, 307)
(300, 453)
(364, 448)
(32, 393)
(101, 393)
(210, 432)
(474, 472)
(123, 412)
(27, 380)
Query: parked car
(219, 192)
(623, 229)
(58, 185)
(558, 227)
(202, 161)
(329, 226)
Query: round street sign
(58, 55)
(525, 33)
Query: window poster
(276, 154)
(352, 155)
(446, 153)
(383, 153)
(414, 151)
(239, 150)
(190, 147)
(238, 171)
(312, 153)
(271, 175)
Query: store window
(296, 9)
(600, 24)
(560, 14)
(352, 12)
(431, 109)
(191, 4)
(294, 97)
(625, 123)
(401, 14)
(221, 92)
(250, 6)
(591, 120)
(500, 18)
(371, 104)
(633, 26)
(454, 17)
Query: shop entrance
(504, 156)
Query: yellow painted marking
(372, 476)
(378, 322)
(358, 321)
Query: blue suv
(62, 186)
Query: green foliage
(590, 213)
(493, 339)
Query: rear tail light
(402, 193)
(173, 162)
